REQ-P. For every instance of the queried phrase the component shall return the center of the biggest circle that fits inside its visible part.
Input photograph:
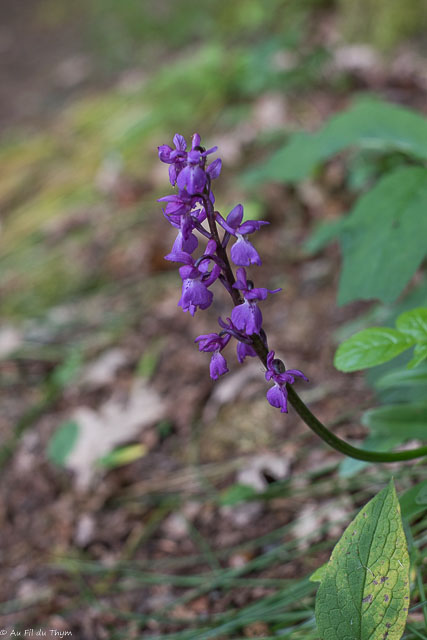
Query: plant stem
(330, 438)
(300, 407)
(342, 446)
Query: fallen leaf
(115, 422)
(101, 371)
(10, 340)
(254, 473)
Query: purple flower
(277, 395)
(185, 241)
(169, 155)
(214, 169)
(247, 316)
(187, 168)
(176, 158)
(195, 280)
(218, 366)
(193, 177)
(213, 342)
(178, 205)
(195, 294)
(242, 252)
(247, 288)
(244, 350)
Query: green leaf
(370, 347)
(398, 420)
(420, 354)
(149, 360)
(414, 323)
(414, 500)
(389, 425)
(66, 372)
(123, 455)
(237, 493)
(364, 591)
(318, 575)
(384, 239)
(62, 442)
(369, 124)
(350, 466)
(323, 234)
(404, 378)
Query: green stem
(300, 407)
(342, 446)
(330, 438)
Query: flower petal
(179, 142)
(243, 253)
(214, 169)
(218, 366)
(235, 216)
(278, 397)
(250, 226)
(244, 350)
(247, 317)
(164, 152)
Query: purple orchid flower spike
(247, 316)
(187, 210)
(192, 210)
(277, 395)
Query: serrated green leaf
(384, 240)
(370, 347)
(369, 124)
(62, 442)
(364, 591)
(414, 323)
(404, 378)
(393, 420)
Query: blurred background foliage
(384, 23)
(200, 65)
(226, 57)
